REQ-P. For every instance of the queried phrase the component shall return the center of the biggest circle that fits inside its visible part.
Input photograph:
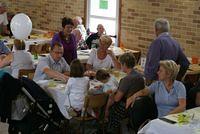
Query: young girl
(76, 88)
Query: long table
(34, 40)
(56, 90)
(83, 55)
(159, 126)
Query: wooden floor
(3, 128)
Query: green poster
(103, 4)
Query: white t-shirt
(3, 19)
(97, 87)
(21, 60)
(76, 90)
(112, 84)
(97, 64)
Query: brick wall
(138, 16)
(47, 14)
(137, 19)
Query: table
(34, 39)
(56, 90)
(193, 69)
(193, 74)
(83, 55)
(158, 126)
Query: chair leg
(82, 127)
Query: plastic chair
(96, 103)
(29, 73)
(144, 109)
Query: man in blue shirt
(164, 47)
(52, 66)
(4, 49)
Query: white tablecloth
(158, 126)
(57, 92)
(83, 55)
(28, 42)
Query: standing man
(3, 19)
(164, 47)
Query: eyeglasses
(56, 52)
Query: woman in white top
(102, 57)
(20, 59)
(79, 29)
(76, 88)
(3, 19)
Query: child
(76, 88)
(110, 84)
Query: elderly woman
(93, 40)
(79, 29)
(170, 95)
(67, 39)
(128, 85)
(20, 59)
(102, 57)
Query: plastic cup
(195, 60)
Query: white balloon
(21, 26)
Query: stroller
(27, 108)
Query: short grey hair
(3, 4)
(79, 19)
(162, 25)
(171, 67)
(127, 59)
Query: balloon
(21, 26)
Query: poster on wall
(103, 4)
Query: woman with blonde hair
(20, 59)
(170, 94)
(102, 57)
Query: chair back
(96, 101)
(39, 48)
(137, 56)
(143, 109)
(29, 73)
(45, 48)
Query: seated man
(93, 40)
(53, 66)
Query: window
(103, 12)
